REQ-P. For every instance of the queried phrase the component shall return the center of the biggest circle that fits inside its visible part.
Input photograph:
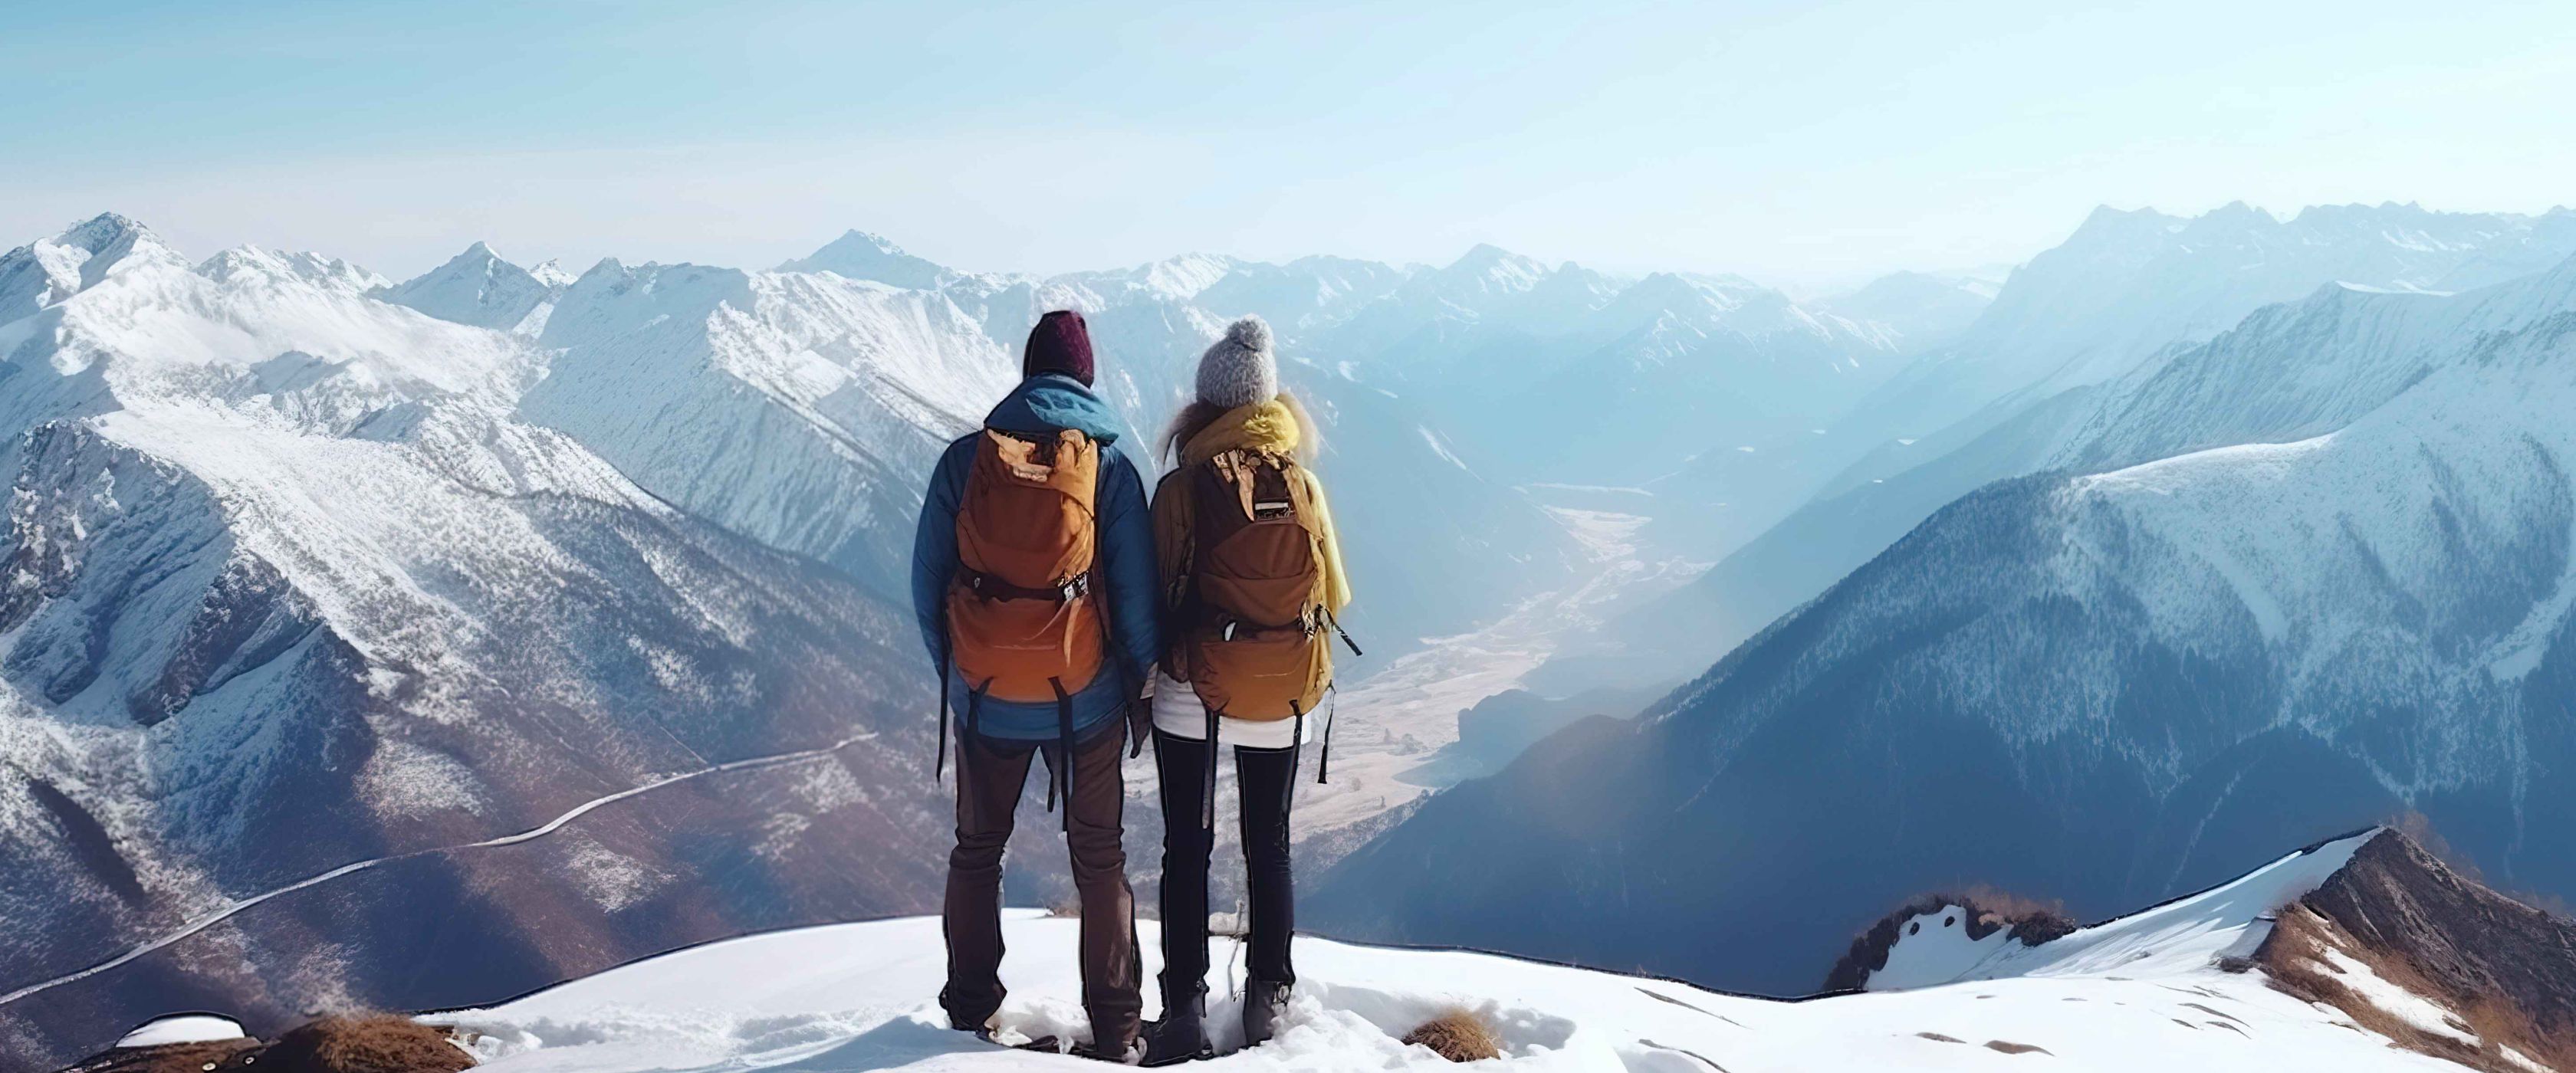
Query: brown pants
(990, 774)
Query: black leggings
(1267, 777)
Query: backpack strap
(990, 587)
(1207, 801)
(1324, 759)
(1064, 745)
(1297, 730)
(1336, 623)
(940, 762)
(974, 706)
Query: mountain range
(415, 644)
(2311, 571)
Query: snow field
(2138, 993)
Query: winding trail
(531, 834)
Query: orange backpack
(1252, 611)
(1022, 623)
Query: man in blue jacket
(996, 745)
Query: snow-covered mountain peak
(50, 270)
(480, 288)
(258, 265)
(613, 298)
(2106, 222)
(1918, 306)
(1496, 268)
(862, 255)
(1187, 275)
(552, 274)
(2233, 214)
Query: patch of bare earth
(2505, 971)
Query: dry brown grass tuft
(2032, 921)
(364, 1043)
(1459, 1036)
(2499, 1025)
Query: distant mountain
(251, 264)
(803, 411)
(292, 589)
(2127, 286)
(477, 287)
(862, 256)
(2126, 293)
(51, 270)
(2109, 685)
(1923, 307)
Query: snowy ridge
(2188, 933)
(2142, 992)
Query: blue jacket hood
(1051, 401)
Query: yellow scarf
(1262, 426)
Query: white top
(183, 1028)
(1177, 712)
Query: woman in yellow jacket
(1240, 419)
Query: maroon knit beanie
(1061, 343)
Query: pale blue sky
(1792, 142)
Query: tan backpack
(1253, 619)
(1022, 623)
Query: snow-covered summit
(2143, 992)
(1491, 269)
(860, 255)
(255, 264)
(1921, 307)
(1935, 947)
(551, 274)
(51, 270)
(478, 287)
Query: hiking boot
(1131, 1054)
(1181, 1036)
(1263, 1002)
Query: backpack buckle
(1075, 587)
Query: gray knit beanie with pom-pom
(1239, 370)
